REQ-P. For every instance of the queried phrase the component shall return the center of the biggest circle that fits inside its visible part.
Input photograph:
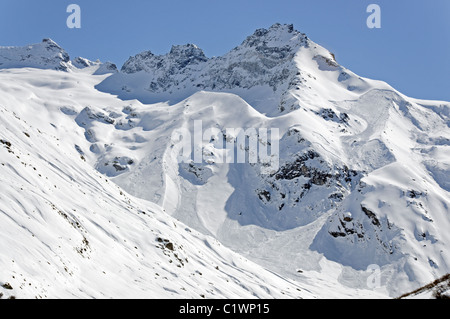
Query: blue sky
(411, 50)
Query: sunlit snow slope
(66, 231)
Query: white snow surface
(91, 185)
(69, 232)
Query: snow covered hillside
(48, 55)
(438, 289)
(86, 150)
(66, 231)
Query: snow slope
(362, 176)
(69, 232)
(438, 289)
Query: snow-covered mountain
(45, 55)
(362, 178)
(48, 55)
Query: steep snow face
(362, 174)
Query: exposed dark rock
(330, 115)
(170, 246)
(264, 194)
(344, 117)
(118, 167)
(336, 196)
(348, 219)
(7, 286)
(413, 193)
(337, 234)
(8, 144)
(298, 168)
(371, 216)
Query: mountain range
(95, 201)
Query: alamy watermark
(374, 278)
(233, 145)
(374, 19)
(74, 19)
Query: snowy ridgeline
(48, 55)
(362, 178)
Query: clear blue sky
(411, 51)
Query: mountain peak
(278, 27)
(296, 151)
(180, 56)
(275, 28)
(45, 55)
(265, 58)
(187, 54)
(278, 35)
(186, 49)
(50, 43)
